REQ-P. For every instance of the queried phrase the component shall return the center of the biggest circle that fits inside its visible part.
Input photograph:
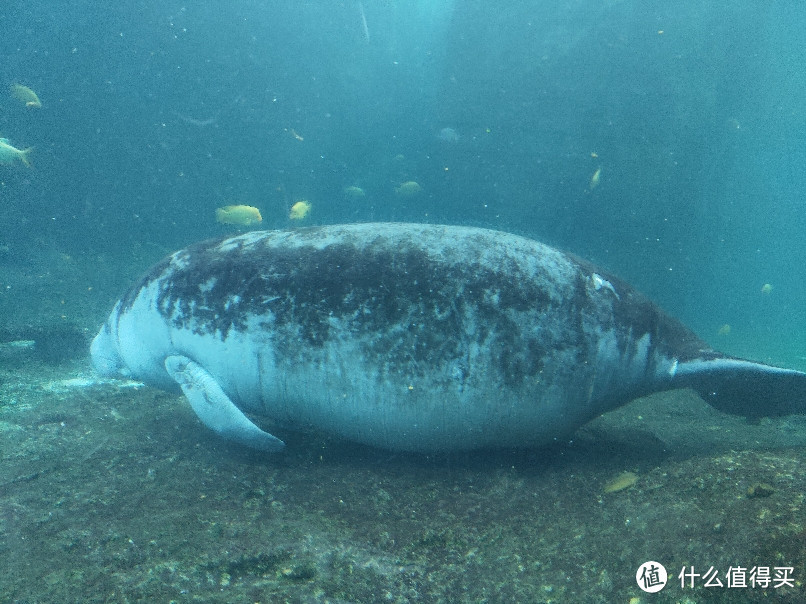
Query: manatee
(411, 337)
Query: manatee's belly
(417, 416)
(459, 401)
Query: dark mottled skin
(633, 308)
(441, 308)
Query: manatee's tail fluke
(744, 387)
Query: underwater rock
(759, 489)
(51, 344)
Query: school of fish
(8, 152)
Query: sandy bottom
(114, 493)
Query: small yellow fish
(8, 153)
(26, 95)
(241, 215)
(354, 192)
(766, 288)
(623, 481)
(597, 176)
(299, 210)
(408, 189)
(724, 330)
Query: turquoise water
(154, 114)
(157, 114)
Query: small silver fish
(8, 153)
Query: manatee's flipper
(214, 408)
(744, 387)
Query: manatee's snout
(104, 353)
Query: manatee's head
(104, 352)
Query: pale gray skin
(411, 337)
